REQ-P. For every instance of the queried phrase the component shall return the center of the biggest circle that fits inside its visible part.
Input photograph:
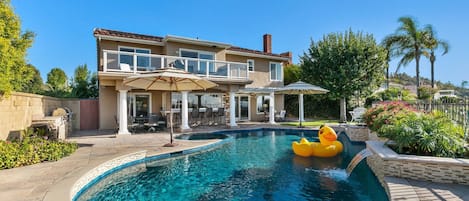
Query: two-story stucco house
(234, 69)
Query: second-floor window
(250, 65)
(128, 58)
(275, 71)
(200, 66)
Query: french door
(139, 104)
(242, 108)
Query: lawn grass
(313, 123)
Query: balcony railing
(119, 61)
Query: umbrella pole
(170, 144)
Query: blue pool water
(252, 165)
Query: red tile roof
(108, 32)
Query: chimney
(289, 55)
(267, 43)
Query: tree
(407, 42)
(84, 84)
(344, 64)
(80, 82)
(93, 90)
(57, 80)
(35, 85)
(432, 43)
(464, 84)
(13, 47)
(292, 73)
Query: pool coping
(403, 188)
(72, 185)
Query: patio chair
(195, 117)
(280, 116)
(155, 123)
(221, 115)
(124, 67)
(131, 124)
(208, 116)
(266, 116)
(357, 114)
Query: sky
(64, 29)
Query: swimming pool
(252, 165)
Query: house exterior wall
(107, 107)
(261, 73)
(108, 95)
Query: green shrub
(391, 94)
(425, 134)
(416, 133)
(31, 150)
(426, 92)
(386, 113)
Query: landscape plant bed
(385, 162)
(417, 133)
(33, 149)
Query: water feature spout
(357, 159)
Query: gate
(89, 114)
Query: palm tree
(432, 44)
(407, 42)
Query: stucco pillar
(272, 108)
(232, 110)
(123, 113)
(301, 115)
(184, 112)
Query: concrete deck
(52, 180)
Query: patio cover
(301, 88)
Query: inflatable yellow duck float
(327, 146)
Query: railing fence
(458, 111)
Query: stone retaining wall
(18, 110)
(385, 162)
(357, 133)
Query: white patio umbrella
(169, 79)
(301, 88)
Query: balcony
(129, 62)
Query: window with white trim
(250, 65)
(262, 104)
(127, 58)
(275, 71)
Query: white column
(123, 113)
(301, 115)
(184, 112)
(272, 108)
(232, 110)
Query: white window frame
(135, 51)
(253, 64)
(239, 107)
(132, 96)
(281, 71)
(257, 111)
